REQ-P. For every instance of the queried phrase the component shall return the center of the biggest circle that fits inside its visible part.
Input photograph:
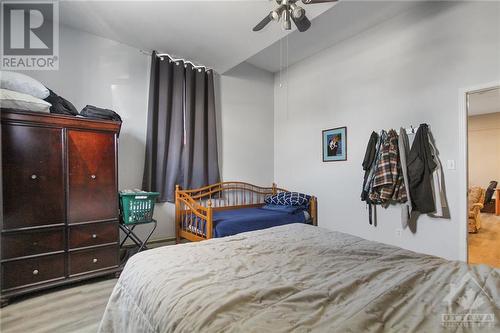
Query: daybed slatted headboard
(194, 207)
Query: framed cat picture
(335, 144)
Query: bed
(298, 278)
(228, 208)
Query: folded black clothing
(91, 111)
(60, 105)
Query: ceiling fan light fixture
(289, 11)
(285, 16)
(297, 11)
(276, 14)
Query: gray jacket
(404, 149)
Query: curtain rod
(176, 60)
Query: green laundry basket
(137, 206)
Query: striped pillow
(289, 199)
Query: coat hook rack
(409, 130)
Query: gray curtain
(181, 143)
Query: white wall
(247, 125)
(105, 73)
(406, 71)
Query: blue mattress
(235, 221)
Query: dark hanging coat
(420, 168)
(371, 150)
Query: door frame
(463, 163)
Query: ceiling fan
(288, 11)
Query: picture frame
(335, 144)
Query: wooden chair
(489, 200)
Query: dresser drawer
(93, 234)
(25, 272)
(94, 259)
(26, 243)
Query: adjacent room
(484, 171)
(249, 166)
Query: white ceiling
(214, 33)
(345, 20)
(218, 33)
(484, 102)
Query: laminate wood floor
(74, 309)
(484, 246)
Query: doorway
(483, 173)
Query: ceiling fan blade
(312, 2)
(265, 21)
(303, 24)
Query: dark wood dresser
(60, 200)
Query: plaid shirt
(388, 184)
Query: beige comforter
(300, 278)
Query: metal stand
(128, 229)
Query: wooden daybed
(194, 209)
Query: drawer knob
(93, 176)
(33, 176)
(35, 243)
(35, 272)
(94, 236)
(94, 260)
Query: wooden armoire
(60, 200)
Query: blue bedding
(235, 221)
